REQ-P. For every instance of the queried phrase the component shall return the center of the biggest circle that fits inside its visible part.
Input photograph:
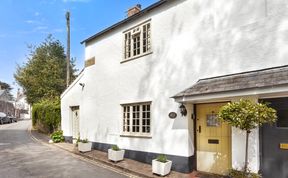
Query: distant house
(143, 72)
(6, 105)
(4, 95)
(22, 108)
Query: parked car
(4, 119)
(13, 118)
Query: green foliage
(84, 140)
(47, 114)
(241, 174)
(161, 158)
(247, 115)
(43, 76)
(81, 140)
(115, 148)
(57, 136)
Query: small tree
(247, 115)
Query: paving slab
(130, 166)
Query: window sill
(136, 57)
(136, 136)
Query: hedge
(46, 115)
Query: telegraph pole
(68, 49)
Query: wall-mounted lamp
(183, 110)
(82, 85)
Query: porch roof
(269, 77)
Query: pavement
(24, 156)
(128, 166)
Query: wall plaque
(172, 115)
(90, 62)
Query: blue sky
(25, 22)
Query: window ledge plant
(84, 145)
(115, 153)
(161, 165)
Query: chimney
(134, 10)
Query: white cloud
(30, 21)
(36, 14)
(40, 28)
(76, 1)
(58, 30)
(3, 35)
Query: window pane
(148, 129)
(140, 115)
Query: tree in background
(8, 88)
(247, 115)
(44, 74)
(43, 79)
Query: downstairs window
(137, 119)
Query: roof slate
(269, 77)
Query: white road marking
(1, 144)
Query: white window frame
(124, 128)
(137, 30)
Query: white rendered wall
(190, 40)
(71, 97)
(238, 145)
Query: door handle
(199, 129)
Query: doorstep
(127, 165)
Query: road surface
(21, 156)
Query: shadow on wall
(222, 38)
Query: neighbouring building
(22, 108)
(139, 72)
(6, 105)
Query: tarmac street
(21, 156)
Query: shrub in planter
(57, 136)
(247, 115)
(161, 165)
(84, 145)
(242, 174)
(115, 153)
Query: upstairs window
(137, 41)
(136, 119)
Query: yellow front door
(213, 140)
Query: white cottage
(129, 93)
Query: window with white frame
(137, 119)
(137, 41)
